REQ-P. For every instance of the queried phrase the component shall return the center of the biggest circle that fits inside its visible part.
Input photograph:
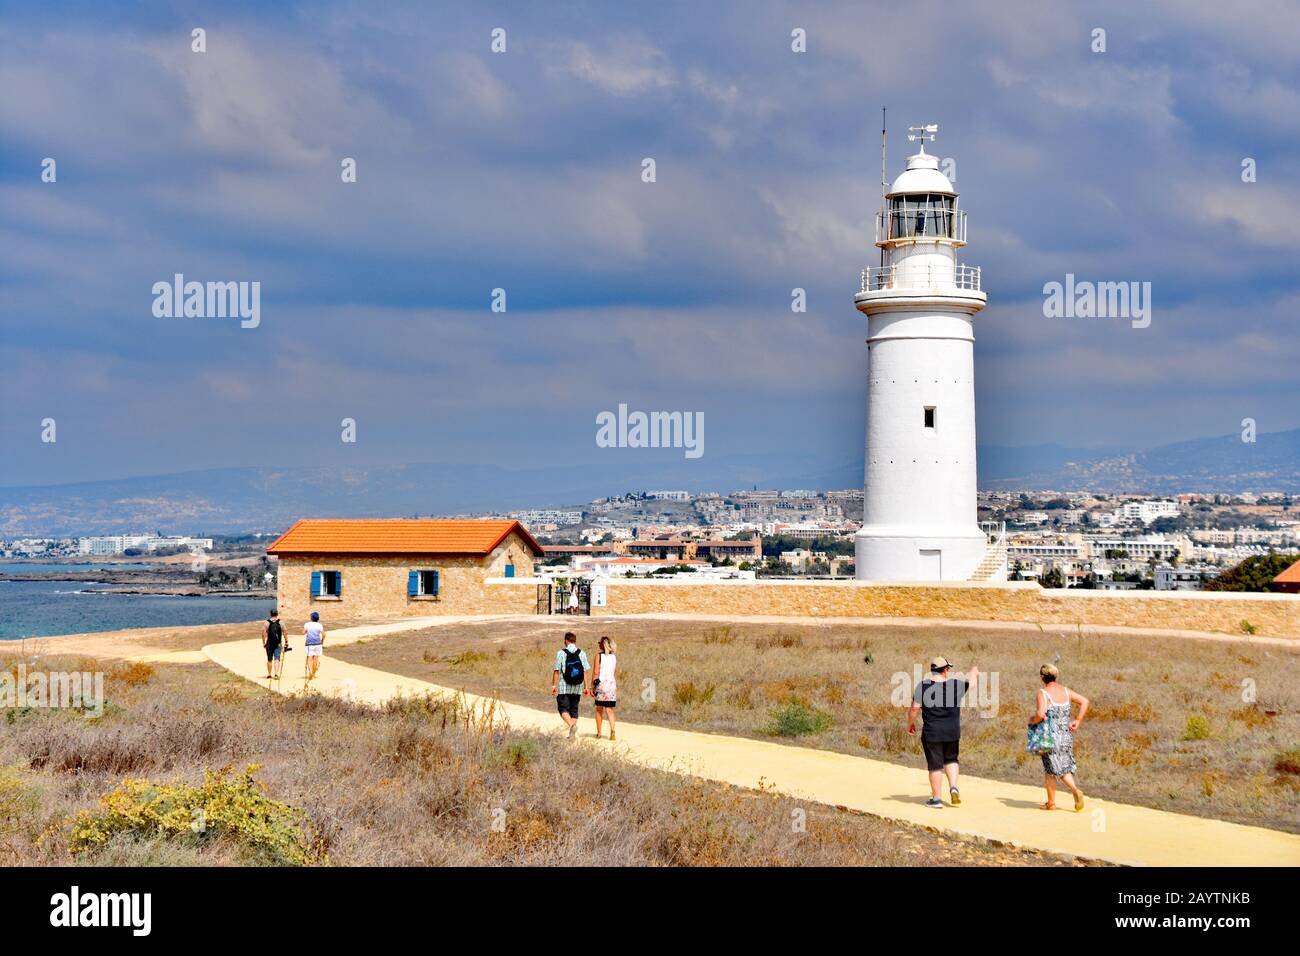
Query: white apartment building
(668, 495)
(1068, 549)
(178, 541)
(591, 535)
(1141, 548)
(806, 530)
(102, 544)
(118, 543)
(1146, 512)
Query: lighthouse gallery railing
(905, 276)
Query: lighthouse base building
(920, 518)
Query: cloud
(522, 170)
(624, 66)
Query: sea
(44, 608)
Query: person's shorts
(568, 704)
(939, 753)
(273, 652)
(313, 650)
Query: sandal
(1048, 806)
(1078, 801)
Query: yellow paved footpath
(990, 809)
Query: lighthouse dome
(922, 176)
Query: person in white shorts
(313, 642)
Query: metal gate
(543, 599)
(573, 597)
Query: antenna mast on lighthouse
(883, 184)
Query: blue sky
(522, 171)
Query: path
(995, 810)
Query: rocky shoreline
(100, 577)
(174, 583)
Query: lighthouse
(920, 521)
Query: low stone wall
(1276, 615)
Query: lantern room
(921, 204)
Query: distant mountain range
(1222, 464)
(227, 500)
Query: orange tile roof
(1290, 576)
(397, 536)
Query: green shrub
(798, 720)
(518, 753)
(238, 809)
(1255, 573)
(1198, 728)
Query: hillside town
(1061, 540)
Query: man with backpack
(571, 681)
(273, 642)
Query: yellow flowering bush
(236, 808)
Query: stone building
(372, 570)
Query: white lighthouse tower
(920, 519)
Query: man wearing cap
(938, 698)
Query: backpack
(573, 671)
(273, 632)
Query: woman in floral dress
(1054, 703)
(606, 685)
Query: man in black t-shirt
(273, 641)
(938, 699)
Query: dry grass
(420, 782)
(1170, 725)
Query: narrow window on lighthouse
(929, 416)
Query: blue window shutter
(339, 580)
(315, 584)
(510, 570)
(412, 583)
(436, 580)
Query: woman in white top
(606, 684)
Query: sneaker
(934, 803)
(955, 796)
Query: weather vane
(922, 133)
